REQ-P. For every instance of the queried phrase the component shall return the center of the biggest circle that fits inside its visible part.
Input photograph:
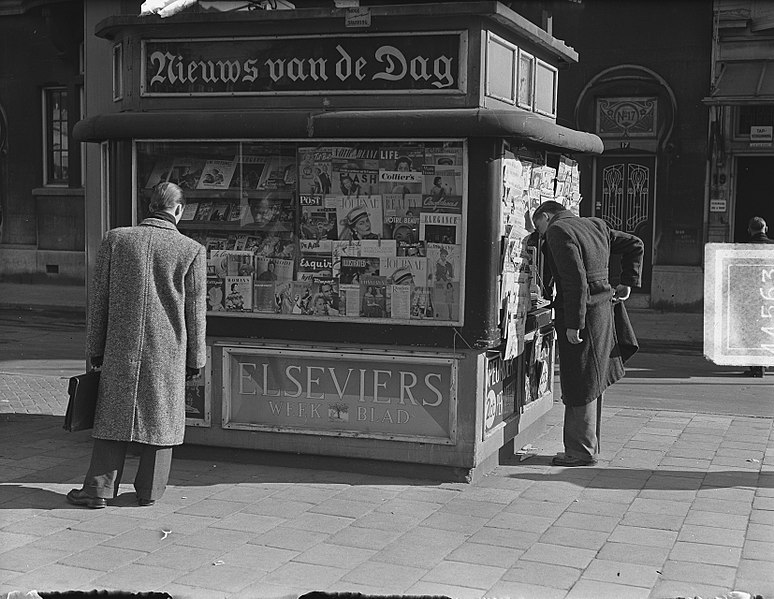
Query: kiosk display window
(340, 230)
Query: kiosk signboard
(393, 396)
(739, 304)
(416, 62)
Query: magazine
(422, 303)
(159, 173)
(314, 171)
(351, 176)
(239, 294)
(264, 299)
(404, 270)
(350, 298)
(444, 262)
(273, 269)
(217, 174)
(317, 220)
(401, 216)
(239, 262)
(400, 301)
(400, 170)
(326, 300)
(204, 211)
(215, 242)
(301, 294)
(185, 172)
(219, 211)
(440, 227)
(215, 293)
(217, 262)
(280, 173)
(250, 172)
(447, 297)
(358, 217)
(189, 212)
(352, 269)
(373, 296)
(442, 190)
(316, 261)
(239, 213)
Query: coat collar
(561, 216)
(158, 222)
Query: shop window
(336, 230)
(501, 67)
(546, 78)
(56, 157)
(753, 116)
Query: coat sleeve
(196, 311)
(631, 249)
(96, 335)
(570, 275)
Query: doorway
(624, 200)
(753, 194)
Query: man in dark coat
(147, 320)
(757, 229)
(577, 253)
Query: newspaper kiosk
(363, 194)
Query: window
(56, 141)
(755, 115)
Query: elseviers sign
(345, 393)
(423, 62)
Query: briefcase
(82, 390)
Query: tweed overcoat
(147, 317)
(578, 252)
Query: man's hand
(191, 373)
(96, 361)
(621, 293)
(573, 336)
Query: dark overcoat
(578, 252)
(147, 317)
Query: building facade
(42, 235)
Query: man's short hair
(548, 207)
(166, 196)
(756, 224)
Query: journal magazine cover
(359, 217)
(239, 294)
(217, 174)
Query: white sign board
(739, 304)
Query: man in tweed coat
(577, 253)
(147, 320)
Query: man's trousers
(581, 430)
(107, 467)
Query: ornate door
(625, 202)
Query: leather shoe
(145, 502)
(80, 497)
(569, 461)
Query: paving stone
(280, 509)
(679, 588)
(54, 576)
(214, 538)
(606, 590)
(659, 506)
(422, 547)
(324, 554)
(521, 522)
(504, 537)
(24, 559)
(637, 535)
(711, 535)
(622, 573)
(465, 575)
(517, 589)
(39, 525)
(181, 559)
(657, 521)
(705, 553)
(490, 555)
(539, 508)
(762, 517)
(344, 508)
(610, 495)
(763, 503)
(222, 578)
(572, 537)
(592, 522)
(687, 463)
(284, 537)
(558, 554)
(598, 508)
(759, 550)
(102, 557)
(709, 574)
(392, 578)
(760, 532)
(551, 575)
(701, 518)
(364, 538)
(481, 509)
(248, 522)
(416, 510)
(136, 578)
(455, 522)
